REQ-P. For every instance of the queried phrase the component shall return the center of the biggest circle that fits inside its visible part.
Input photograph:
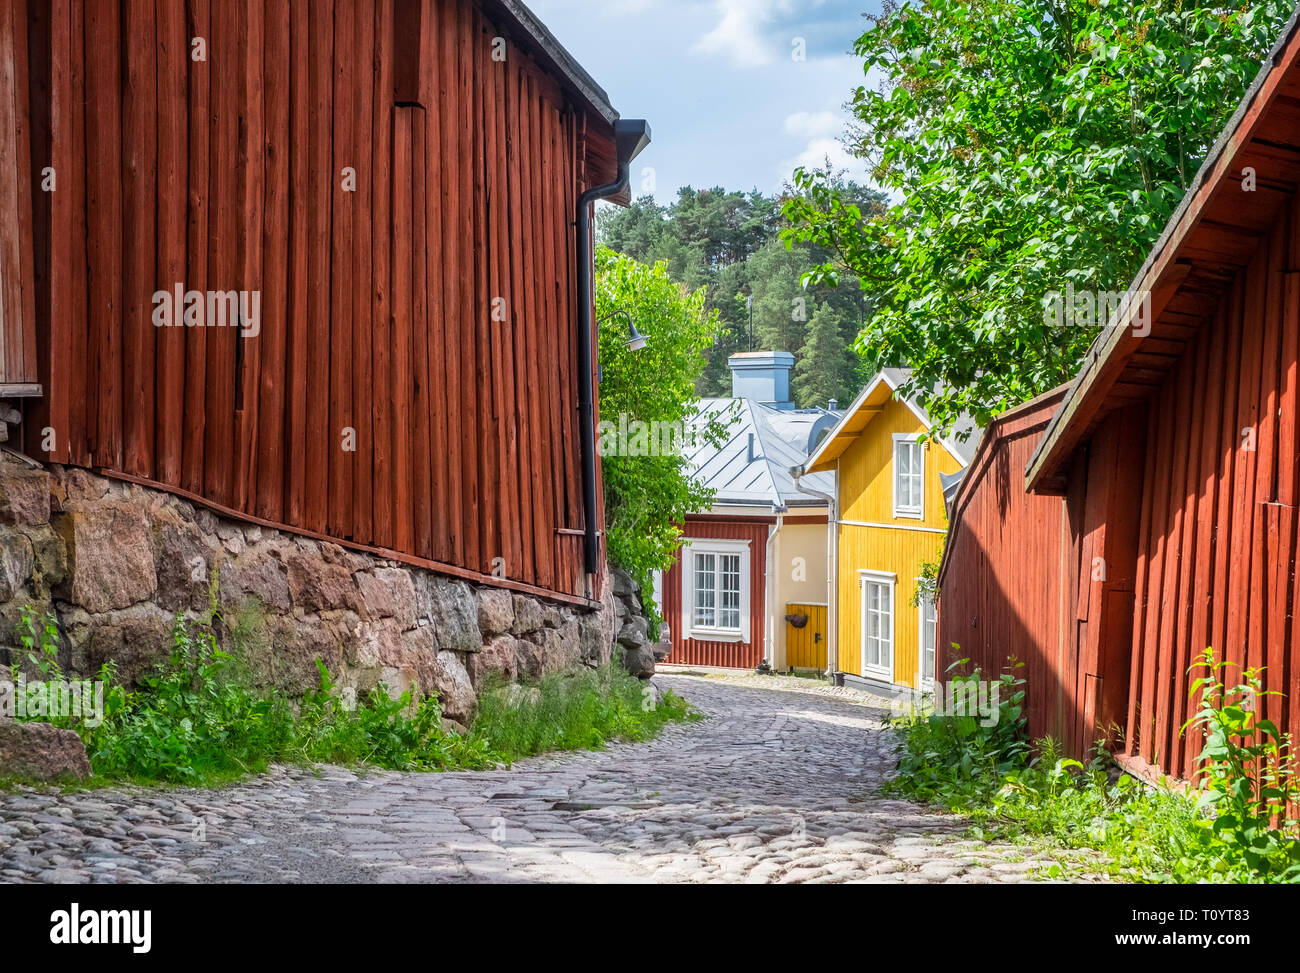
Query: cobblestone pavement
(774, 786)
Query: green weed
(195, 720)
(1234, 827)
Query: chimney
(763, 376)
(832, 405)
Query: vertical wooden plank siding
(271, 393)
(803, 648)
(171, 65)
(705, 652)
(17, 269)
(999, 538)
(375, 219)
(1213, 563)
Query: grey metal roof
(950, 482)
(753, 466)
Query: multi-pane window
(908, 460)
(929, 638)
(716, 590)
(878, 625)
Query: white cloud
(758, 33)
(808, 124)
(739, 34)
(816, 153)
(820, 132)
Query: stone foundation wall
(636, 652)
(116, 562)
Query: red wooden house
(757, 555)
(1160, 513)
(314, 265)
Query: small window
(715, 576)
(909, 476)
(717, 591)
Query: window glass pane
(929, 637)
(907, 474)
(877, 628)
(729, 591)
(704, 589)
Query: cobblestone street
(778, 784)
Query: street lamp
(635, 339)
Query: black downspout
(631, 136)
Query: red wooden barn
(1160, 512)
(315, 266)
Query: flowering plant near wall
(648, 488)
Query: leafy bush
(1233, 828)
(648, 496)
(947, 757)
(1029, 146)
(1251, 787)
(195, 721)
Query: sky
(727, 101)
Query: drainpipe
(630, 137)
(771, 585)
(832, 558)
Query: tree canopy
(1030, 145)
(730, 244)
(648, 492)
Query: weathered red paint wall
(1005, 563)
(1177, 532)
(427, 319)
(699, 652)
(18, 288)
(1216, 563)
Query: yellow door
(805, 645)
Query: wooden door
(805, 647)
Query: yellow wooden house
(888, 518)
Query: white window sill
(716, 635)
(908, 515)
(871, 672)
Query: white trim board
(869, 523)
(888, 580)
(712, 545)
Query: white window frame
(889, 582)
(712, 633)
(926, 680)
(916, 512)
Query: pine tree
(826, 367)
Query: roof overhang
(1209, 239)
(871, 401)
(541, 43)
